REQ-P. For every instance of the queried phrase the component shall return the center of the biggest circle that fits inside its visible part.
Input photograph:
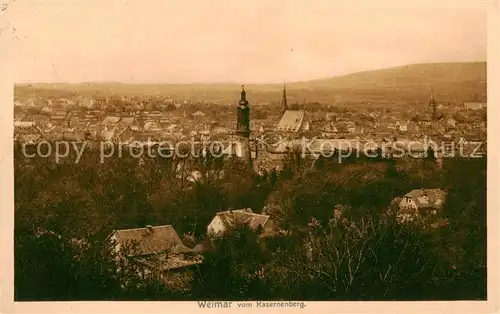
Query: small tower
(432, 103)
(243, 125)
(284, 105)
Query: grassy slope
(400, 85)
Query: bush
(357, 253)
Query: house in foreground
(420, 203)
(225, 221)
(156, 251)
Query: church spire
(432, 103)
(283, 100)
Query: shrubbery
(65, 211)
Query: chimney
(149, 228)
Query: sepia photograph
(247, 154)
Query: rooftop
(291, 120)
(150, 240)
(426, 198)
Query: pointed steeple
(284, 104)
(432, 103)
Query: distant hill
(405, 85)
(432, 74)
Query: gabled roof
(111, 120)
(151, 240)
(291, 121)
(151, 125)
(128, 121)
(242, 216)
(427, 198)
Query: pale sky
(245, 41)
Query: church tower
(243, 126)
(284, 105)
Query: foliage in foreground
(64, 212)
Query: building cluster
(118, 119)
(149, 120)
(444, 128)
(159, 251)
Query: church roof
(292, 121)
